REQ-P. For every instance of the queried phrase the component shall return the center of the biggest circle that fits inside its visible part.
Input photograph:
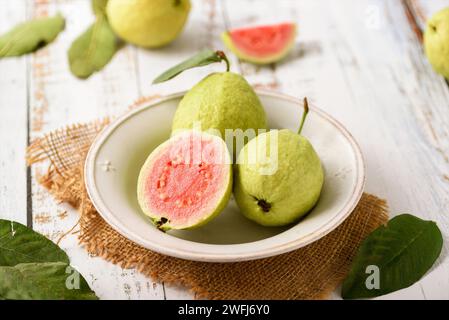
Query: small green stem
(223, 57)
(304, 115)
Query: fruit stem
(222, 56)
(304, 115)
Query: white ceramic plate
(126, 143)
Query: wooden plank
(403, 100)
(202, 31)
(338, 65)
(13, 132)
(58, 98)
(397, 94)
(424, 9)
(177, 293)
(362, 63)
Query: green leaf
(99, 7)
(30, 36)
(33, 267)
(43, 281)
(403, 251)
(203, 58)
(91, 51)
(19, 244)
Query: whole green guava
(148, 23)
(278, 178)
(220, 101)
(436, 42)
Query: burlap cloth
(312, 272)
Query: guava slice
(262, 44)
(186, 181)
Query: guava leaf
(202, 58)
(43, 281)
(19, 244)
(30, 36)
(99, 7)
(93, 49)
(402, 252)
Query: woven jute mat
(312, 272)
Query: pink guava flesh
(186, 179)
(263, 41)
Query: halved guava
(186, 181)
(261, 44)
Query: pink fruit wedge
(186, 181)
(261, 44)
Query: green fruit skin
(148, 23)
(221, 101)
(436, 42)
(155, 218)
(292, 190)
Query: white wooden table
(359, 60)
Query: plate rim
(332, 224)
